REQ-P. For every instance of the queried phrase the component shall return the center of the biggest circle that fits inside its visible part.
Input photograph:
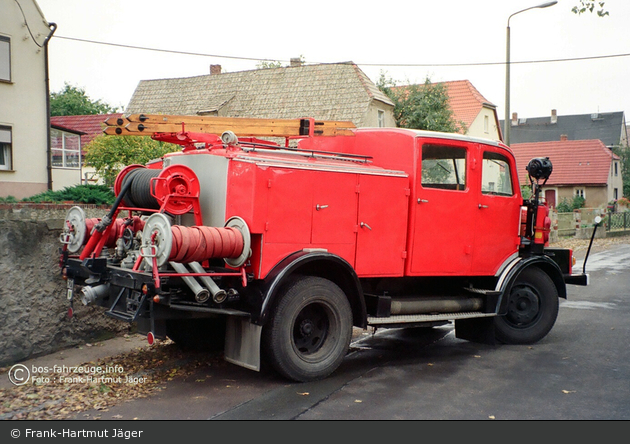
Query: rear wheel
(532, 309)
(309, 331)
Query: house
(469, 107)
(610, 128)
(585, 168)
(69, 136)
(338, 91)
(25, 160)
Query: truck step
(482, 291)
(120, 315)
(420, 318)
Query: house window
(580, 192)
(616, 168)
(495, 175)
(5, 148)
(381, 118)
(486, 124)
(616, 193)
(5, 58)
(65, 149)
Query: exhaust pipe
(435, 305)
(92, 294)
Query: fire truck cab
(277, 252)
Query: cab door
(498, 211)
(444, 209)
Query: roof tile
(575, 162)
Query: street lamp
(507, 122)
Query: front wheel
(310, 329)
(532, 309)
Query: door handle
(363, 224)
(422, 201)
(320, 207)
(482, 206)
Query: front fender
(512, 271)
(314, 263)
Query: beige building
(339, 91)
(25, 161)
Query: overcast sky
(376, 35)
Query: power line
(409, 65)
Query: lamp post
(507, 123)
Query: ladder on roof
(150, 124)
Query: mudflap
(155, 326)
(242, 342)
(479, 330)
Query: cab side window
(495, 176)
(443, 167)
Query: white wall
(23, 99)
(477, 128)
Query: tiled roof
(575, 162)
(607, 127)
(465, 101)
(325, 91)
(90, 125)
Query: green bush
(567, 206)
(8, 199)
(87, 194)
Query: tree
(589, 6)
(423, 107)
(73, 101)
(109, 154)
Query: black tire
(310, 329)
(532, 309)
(198, 334)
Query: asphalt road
(580, 371)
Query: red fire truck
(276, 237)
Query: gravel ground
(580, 246)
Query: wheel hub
(524, 306)
(306, 328)
(310, 329)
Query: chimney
(296, 61)
(514, 119)
(215, 69)
(564, 137)
(554, 116)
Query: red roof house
(90, 125)
(580, 167)
(69, 135)
(478, 114)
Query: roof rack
(150, 124)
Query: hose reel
(184, 244)
(174, 189)
(78, 229)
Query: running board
(419, 318)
